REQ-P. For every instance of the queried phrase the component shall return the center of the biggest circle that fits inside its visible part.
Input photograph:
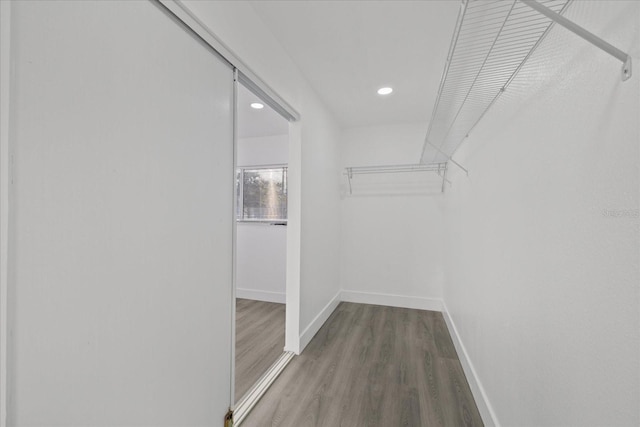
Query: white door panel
(122, 219)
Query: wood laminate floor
(372, 366)
(259, 340)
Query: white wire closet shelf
(491, 42)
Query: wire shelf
(491, 42)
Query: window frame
(239, 194)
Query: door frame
(245, 75)
(241, 408)
(5, 175)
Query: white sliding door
(121, 253)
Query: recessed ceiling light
(257, 106)
(385, 91)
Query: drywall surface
(314, 197)
(263, 150)
(542, 238)
(261, 248)
(392, 224)
(320, 257)
(261, 261)
(121, 250)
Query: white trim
(309, 332)
(268, 222)
(234, 245)
(479, 394)
(5, 86)
(403, 301)
(294, 239)
(245, 75)
(264, 166)
(255, 294)
(249, 400)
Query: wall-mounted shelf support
(449, 158)
(588, 36)
(444, 177)
(439, 168)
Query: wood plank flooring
(372, 366)
(259, 340)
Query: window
(261, 194)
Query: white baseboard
(254, 294)
(320, 319)
(419, 303)
(482, 401)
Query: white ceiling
(252, 122)
(349, 49)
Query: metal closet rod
(439, 168)
(429, 167)
(588, 36)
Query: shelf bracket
(442, 172)
(444, 177)
(449, 158)
(588, 36)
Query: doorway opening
(262, 158)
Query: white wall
(541, 281)
(261, 261)
(392, 224)
(320, 259)
(314, 180)
(261, 248)
(263, 150)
